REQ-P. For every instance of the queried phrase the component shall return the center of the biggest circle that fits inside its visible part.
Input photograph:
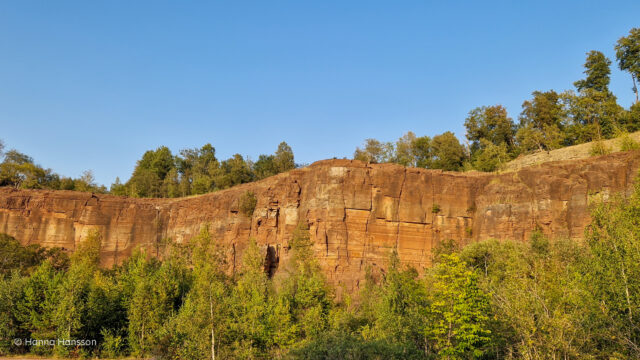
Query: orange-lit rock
(356, 212)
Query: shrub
(627, 143)
(248, 203)
(599, 148)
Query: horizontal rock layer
(356, 212)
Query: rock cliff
(356, 212)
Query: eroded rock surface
(356, 212)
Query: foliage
(248, 203)
(597, 71)
(490, 125)
(628, 56)
(542, 121)
(598, 148)
(458, 312)
(628, 144)
(614, 276)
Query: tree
(38, 304)
(594, 115)
(150, 172)
(628, 56)
(404, 150)
(304, 299)
(18, 170)
(11, 299)
(283, 159)
(540, 306)
(614, 270)
(118, 188)
(448, 154)
(459, 327)
(265, 167)
(232, 172)
(597, 71)
(492, 124)
(374, 152)
(398, 307)
(421, 150)
(196, 170)
(541, 122)
(71, 310)
(491, 157)
(269, 165)
(250, 308)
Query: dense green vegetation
(197, 171)
(19, 170)
(544, 299)
(549, 120)
(158, 174)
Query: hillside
(575, 152)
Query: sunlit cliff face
(356, 212)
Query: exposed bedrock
(356, 212)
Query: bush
(599, 148)
(248, 203)
(628, 144)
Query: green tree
(421, 150)
(250, 308)
(398, 308)
(71, 310)
(542, 121)
(11, 299)
(459, 326)
(375, 152)
(594, 115)
(492, 124)
(265, 166)
(447, 152)
(597, 71)
(150, 172)
(283, 159)
(38, 304)
(233, 171)
(614, 269)
(491, 157)
(404, 150)
(628, 56)
(304, 300)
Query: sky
(94, 84)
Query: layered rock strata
(356, 212)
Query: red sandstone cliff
(356, 212)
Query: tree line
(159, 173)
(20, 171)
(543, 299)
(197, 171)
(549, 120)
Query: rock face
(356, 212)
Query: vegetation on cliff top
(545, 299)
(549, 120)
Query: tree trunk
(213, 337)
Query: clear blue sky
(93, 84)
